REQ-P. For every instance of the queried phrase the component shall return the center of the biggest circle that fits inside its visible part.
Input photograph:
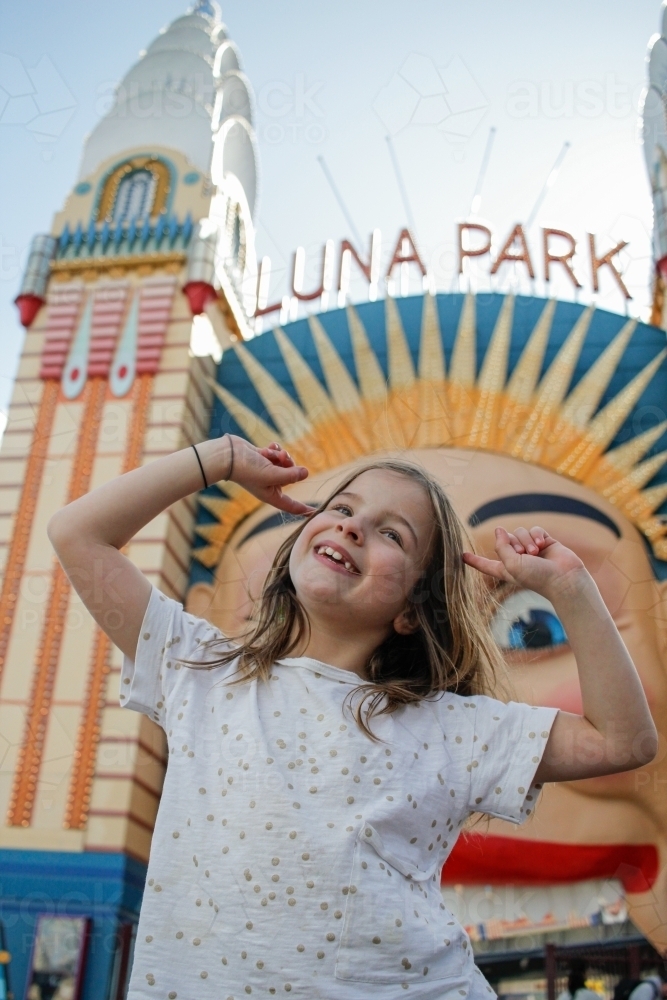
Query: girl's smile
(336, 557)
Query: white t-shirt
(291, 853)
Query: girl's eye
(343, 508)
(394, 535)
(526, 620)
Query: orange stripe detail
(85, 755)
(30, 754)
(24, 514)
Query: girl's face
(358, 560)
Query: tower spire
(207, 7)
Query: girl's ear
(406, 623)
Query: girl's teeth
(328, 551)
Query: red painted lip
(343, 552)
(480, 859)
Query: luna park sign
(473, 240)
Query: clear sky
(333, 80)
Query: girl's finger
(490, 567)
(515, 543)
(527, 541)
(541, 537)
(277, 456)
(504, 547)
(281, 476)
(290, 505)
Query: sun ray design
(522, 382)
(585, 398)
(626, 455)
(492, 379)
(431, 353)
(531, 415)
(434, 420)
(289, 418)
(526, 375)
(372, 382)
(532, 442)
(314, 399)
(462, 371)
(602, 429)
(254, 428)
(340, 384)
(401, 369)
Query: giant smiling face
(604, 827)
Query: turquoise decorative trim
(124, 239)
(83, 187)
(192, 177)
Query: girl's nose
(349, 529)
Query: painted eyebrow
(544, 503)
(398, 517)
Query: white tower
(157, 227)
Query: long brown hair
(451, 648)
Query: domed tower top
(178, 95)
(171, 168)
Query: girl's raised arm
(616, 731)
(89, 534)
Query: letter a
(514, 255)
(405, 253)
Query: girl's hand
(532, 559)
(264, 471)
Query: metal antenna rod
(477, 196)
(548, 184)
(401, 186)
(339, 198)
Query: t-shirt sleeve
(168, 637)
(508, 744)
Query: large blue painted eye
(527, 621)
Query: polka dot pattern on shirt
(282, 825)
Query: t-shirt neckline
(325, 669)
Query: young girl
(321, 767)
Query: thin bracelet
(231, 463)
(203, 474)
